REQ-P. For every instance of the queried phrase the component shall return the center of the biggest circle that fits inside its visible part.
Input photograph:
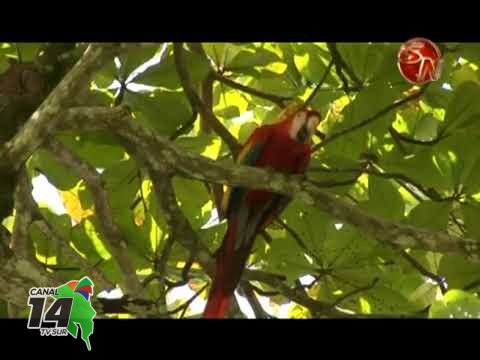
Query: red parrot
(284, 146)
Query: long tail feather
(217, 305)
(230, 263)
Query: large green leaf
(463, 105)
(384, 199)
(135, 58)
(364, 59)
(59, 175)
(248, 59)
(193, 197)
(430, 215)
(471, 216)
(456, 304)
(165, 74)
(164, 111)
(92, 144)
(458, 271)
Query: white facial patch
(297, 123)
(312, 123)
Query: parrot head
(302, 122)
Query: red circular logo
(420, 61)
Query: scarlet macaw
(283, 146)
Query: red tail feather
(230, 263)
(217, 305)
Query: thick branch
(159, 152)
(45, 120)
(21, 243)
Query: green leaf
(165, 74)
(421, 215)
(121, 183)
(105, 77)
(246, 130)
(470, 52)
(364, 59)
(196, 144)
(135, 58)
(471, 215)
(42, 245)
(28, 51)
(426, 128)
(463, 105)
(92, 144)
(83, 244)
(420, 166)
(456, 304)
(458, 271)
(193, 197)
(274, 84)
(362, 108)
(463, 74)
(286, 257)
(247, 59)
(472, 182)
(163, 111)
(228, 112)
(60, 176)
(222, 53)
(457, 157)
(311, 61)
(381, 192)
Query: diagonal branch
(21, 243)
(425, 272)
(112, 234)
(409, 140)
(341, 65)
(252, 299)
(197, 103)
(320, 83)
(356, 292)
(279, 101)
(45, 120)
(371, 119)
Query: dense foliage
(400, 152)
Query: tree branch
(422, 270)
(21, 242)
(279, 101)
(320, 83)
(159, 152)
(355, 292)
(112, 234)
(371, 119)
(252, 299)
(197, 103)
(409, 140)
(45, 120)
(341, 65)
